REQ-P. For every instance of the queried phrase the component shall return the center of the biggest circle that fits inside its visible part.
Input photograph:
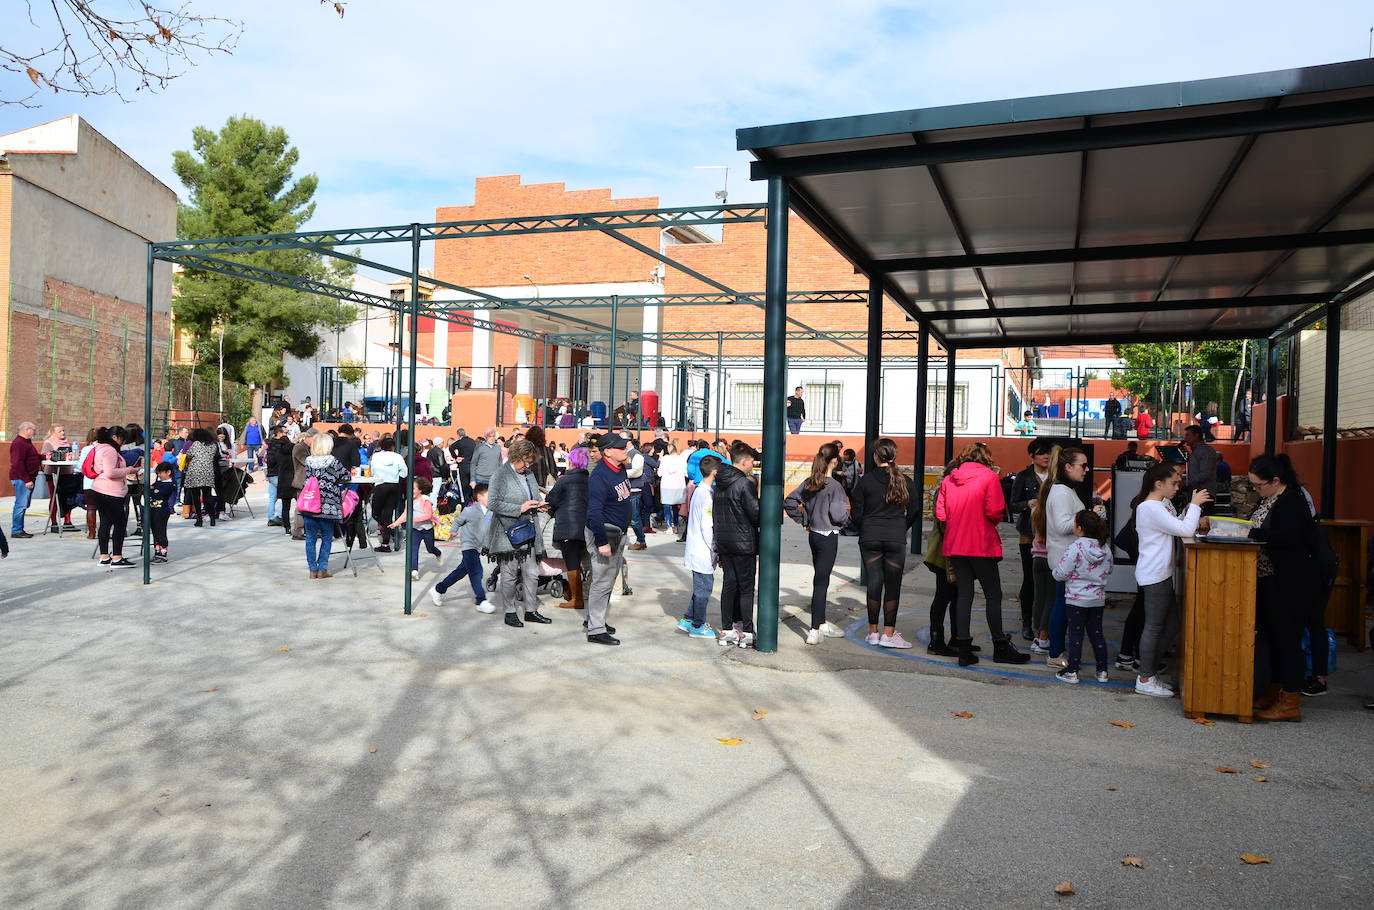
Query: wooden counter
(1217, 667)
(1345, 611)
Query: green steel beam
(774, 412)
(634, 301)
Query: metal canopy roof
(1216, 208)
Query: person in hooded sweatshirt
(1083, 569)
(735, 520)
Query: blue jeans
(794, 425)
(253, 456)
(319, 535)
(23, 493)
(1059, 621)
(702, 583)
(636, 518)
(471, 568)
(273, 505)
(670, 516)
(418, 535)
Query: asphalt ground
(239, 736)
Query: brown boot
(1270, 696)
(314, 573)
(574, 601)
(1286, 708)
(90, 523)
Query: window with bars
(824, 404)
(746, 404)
(935, 406)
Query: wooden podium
(1217, 666)
(1345, 610)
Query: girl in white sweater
(1052, 522)
(1157, 528)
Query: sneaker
(1061, 662)
(1028, 634)
(871, 638)
(813, 636)
(728, 637)
(435, 597)
(105, 561)
(684, 625)
(1127, 662)
(122, 563)
(746, 640)
(159, 558)
(1067, 676)
(894, 641)
(1153, 687)
(1040, 646)
(830, 630)
(415, 574)
(485, 607)
(627, 592)
(1314, 687)
(702, 631)
(1103, 677)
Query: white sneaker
(1153, 687)
(728, 637)
(415, 574)
(1057, 663)
(871, 638)
(435, 597)
(1040, 646)
(1067, 676)
(746, 640)
(813, 636)
(1102, 676)
(485, 607)
(830, 630)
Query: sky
(399, 105)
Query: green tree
(240, 182)
(1157, 371)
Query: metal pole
(774, 416)
(1331, 392)
(922, 390)
(949, 404)
(410, 437)
(720, 380)
(873, 374)
(1271, 394)
(147, 424)
(615, 344)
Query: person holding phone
(513, 497)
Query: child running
(1084, 568)
(421, 525)
(164, 497)
(700, 555)
(468, 524)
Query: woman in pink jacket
(970, 503)
(110, 490)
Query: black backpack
(1008, 484)
(1127, 540)
(1319, 543)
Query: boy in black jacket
(735, 514)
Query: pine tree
(240, 182)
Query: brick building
(76, 214)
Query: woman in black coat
(568, 502)
(279, 452)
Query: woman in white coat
(672, 483)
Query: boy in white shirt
(700, 555)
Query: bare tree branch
(78, 49)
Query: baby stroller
(552, 581)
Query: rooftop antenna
(723, 194)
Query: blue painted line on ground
(852, 634)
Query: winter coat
(970, 503)
(735, 512)
(469, 524)
(25, 462)
(823, 511)
(280, 463)
(202, 465)
(877, 519)
(508, 491)
(1084, 568)
(1024, 489)
(346, 451)
(672, 479)
(568, 500)
(608, 500)
(300, 451)
(113, 472)
(332, 477)
(1287, 534)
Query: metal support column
(922, 386)
(720, 382)
(873, 375)
(1271, 394)
(1331, 394)
(410, 436)
(774, 416)
(145, 481)
(949, 405)
(615, 345)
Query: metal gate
(693, 399)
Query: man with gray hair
(486, 458)
(25, 463)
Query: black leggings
(946, 592)
(984, 570)
(384, 499)
(114, 519)
(1281, 622)
(824, 549)
(573, 551)
(1027, 586)
(201, 500)
(885, 561)
(1135, 622)
(1086, 620)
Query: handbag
(522, 533)
(308, 500)
(935, 547)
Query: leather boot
(574, 601)
(937, 645)
(1270, 696)
(1286, 708)
(90, 523)
(964, 646)
(1004, 652)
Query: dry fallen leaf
(1204, 721)
(960, 714)
(1260, 780)
(283, 649)
(1135, 861)
(373, 749)
(1064, 888)
(213, 689)
(1253, 860)
(1256, 763)
(1222, 769)
(760, 711)
(1113, 789)
(1121, 723)
(730, 742)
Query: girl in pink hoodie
(970, 503)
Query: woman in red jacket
(970, 503)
